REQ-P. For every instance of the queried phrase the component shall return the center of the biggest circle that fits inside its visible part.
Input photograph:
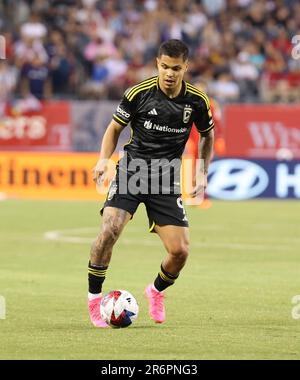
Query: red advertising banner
(262, 131)
(46, 128)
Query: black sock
(164, 280)
(96, 278)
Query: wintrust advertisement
(262, 131)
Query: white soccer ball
(119, 308)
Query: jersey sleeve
(125, 111)
(204, 121)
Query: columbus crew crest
(187, 111)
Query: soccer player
(161, 111)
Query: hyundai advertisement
(239, 179)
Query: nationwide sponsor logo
(187, 111)
(148, 124)
(236, 179)
(163, 128)
(123, 113)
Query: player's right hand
(99, 170)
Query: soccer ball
(119, 308)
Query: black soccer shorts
(162, 209)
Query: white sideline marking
(2, 307)
(60, 236)
(65, 236)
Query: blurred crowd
(95, 49)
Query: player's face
(171, 71)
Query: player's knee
(180, 252)
(110, 234)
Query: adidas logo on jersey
(152, 112)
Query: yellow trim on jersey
(197, 93)
(144, 87)
(197, 89)
(152, 227)
(130, 138)
(131, 90)
(123, 122)
(137, 85)
(202, 95)
(208, 129)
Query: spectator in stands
(95, 87)
(26, 49)
(8, 80)
(35, 79)
(61, 69)
(274, 85)
(73, 33)
(246, 74)
(34, 29)
(256, 57)
(224, 88)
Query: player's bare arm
(108, 146)
(206, 145)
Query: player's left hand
(199, 187)
(99, 171)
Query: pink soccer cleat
(94, 311)
(156, 304)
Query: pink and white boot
(156, 304)
(94, 312)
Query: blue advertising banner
(238, 179)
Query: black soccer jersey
(160, 126)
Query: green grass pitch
(233, 299)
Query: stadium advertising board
(69, 176)
(237, 179)
(47, 175)
(36, 127)
(262, 131)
